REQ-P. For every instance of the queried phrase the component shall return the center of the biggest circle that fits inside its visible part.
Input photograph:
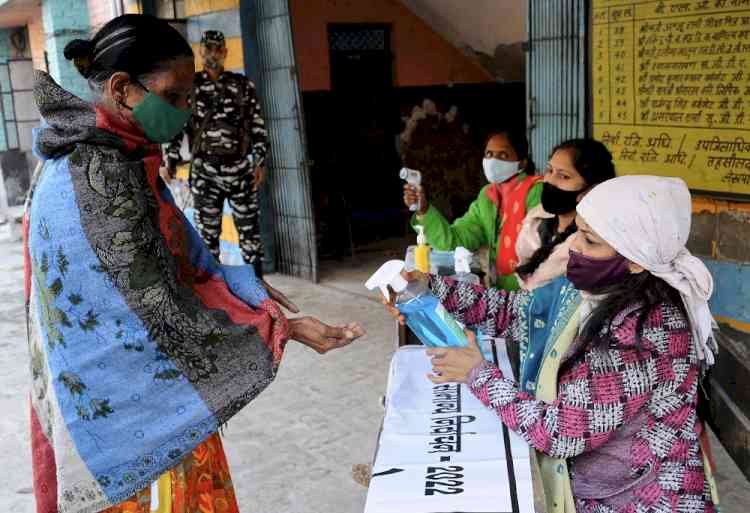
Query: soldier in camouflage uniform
(228, 140)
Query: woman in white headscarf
(612, 411)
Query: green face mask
(160, 121)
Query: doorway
(356, 172)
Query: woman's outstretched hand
(321, 337)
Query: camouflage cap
(213, 37)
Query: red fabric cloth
(44, 469)
(510, 199)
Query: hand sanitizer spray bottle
(462, 259)
(427, 318)
(413, 178)
(422, 251)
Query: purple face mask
(594, 274)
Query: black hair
(518, 141)
(137, 44)
(639, 294)
(593, 161)
(642, 293)
(550, 239)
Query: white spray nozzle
(462, 259)
(388, 274)
(421, 239)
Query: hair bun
(78, 49)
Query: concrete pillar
(38, 42)
(65, 20)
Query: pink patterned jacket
(625, 417)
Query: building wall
(65, 20)
(100, 12)
(197, 7)
(487, 24)
(721, 237)
(132, 7)
(492, 31)
(421, 56)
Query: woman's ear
(583, 194)
(635, 268)
(118, 86)
(523, 164)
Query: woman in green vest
(494, 219)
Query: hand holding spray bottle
(427, 318)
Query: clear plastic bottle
(425, 315)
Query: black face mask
(557, 201)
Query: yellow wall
(196, 7)
(671, 88)
(132, 7)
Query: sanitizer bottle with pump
(422, 252)
(427, 318)
(462, 259)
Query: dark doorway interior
(355, 169)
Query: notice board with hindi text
(671, 89)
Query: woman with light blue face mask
(494, 219)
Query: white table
(440, 450)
